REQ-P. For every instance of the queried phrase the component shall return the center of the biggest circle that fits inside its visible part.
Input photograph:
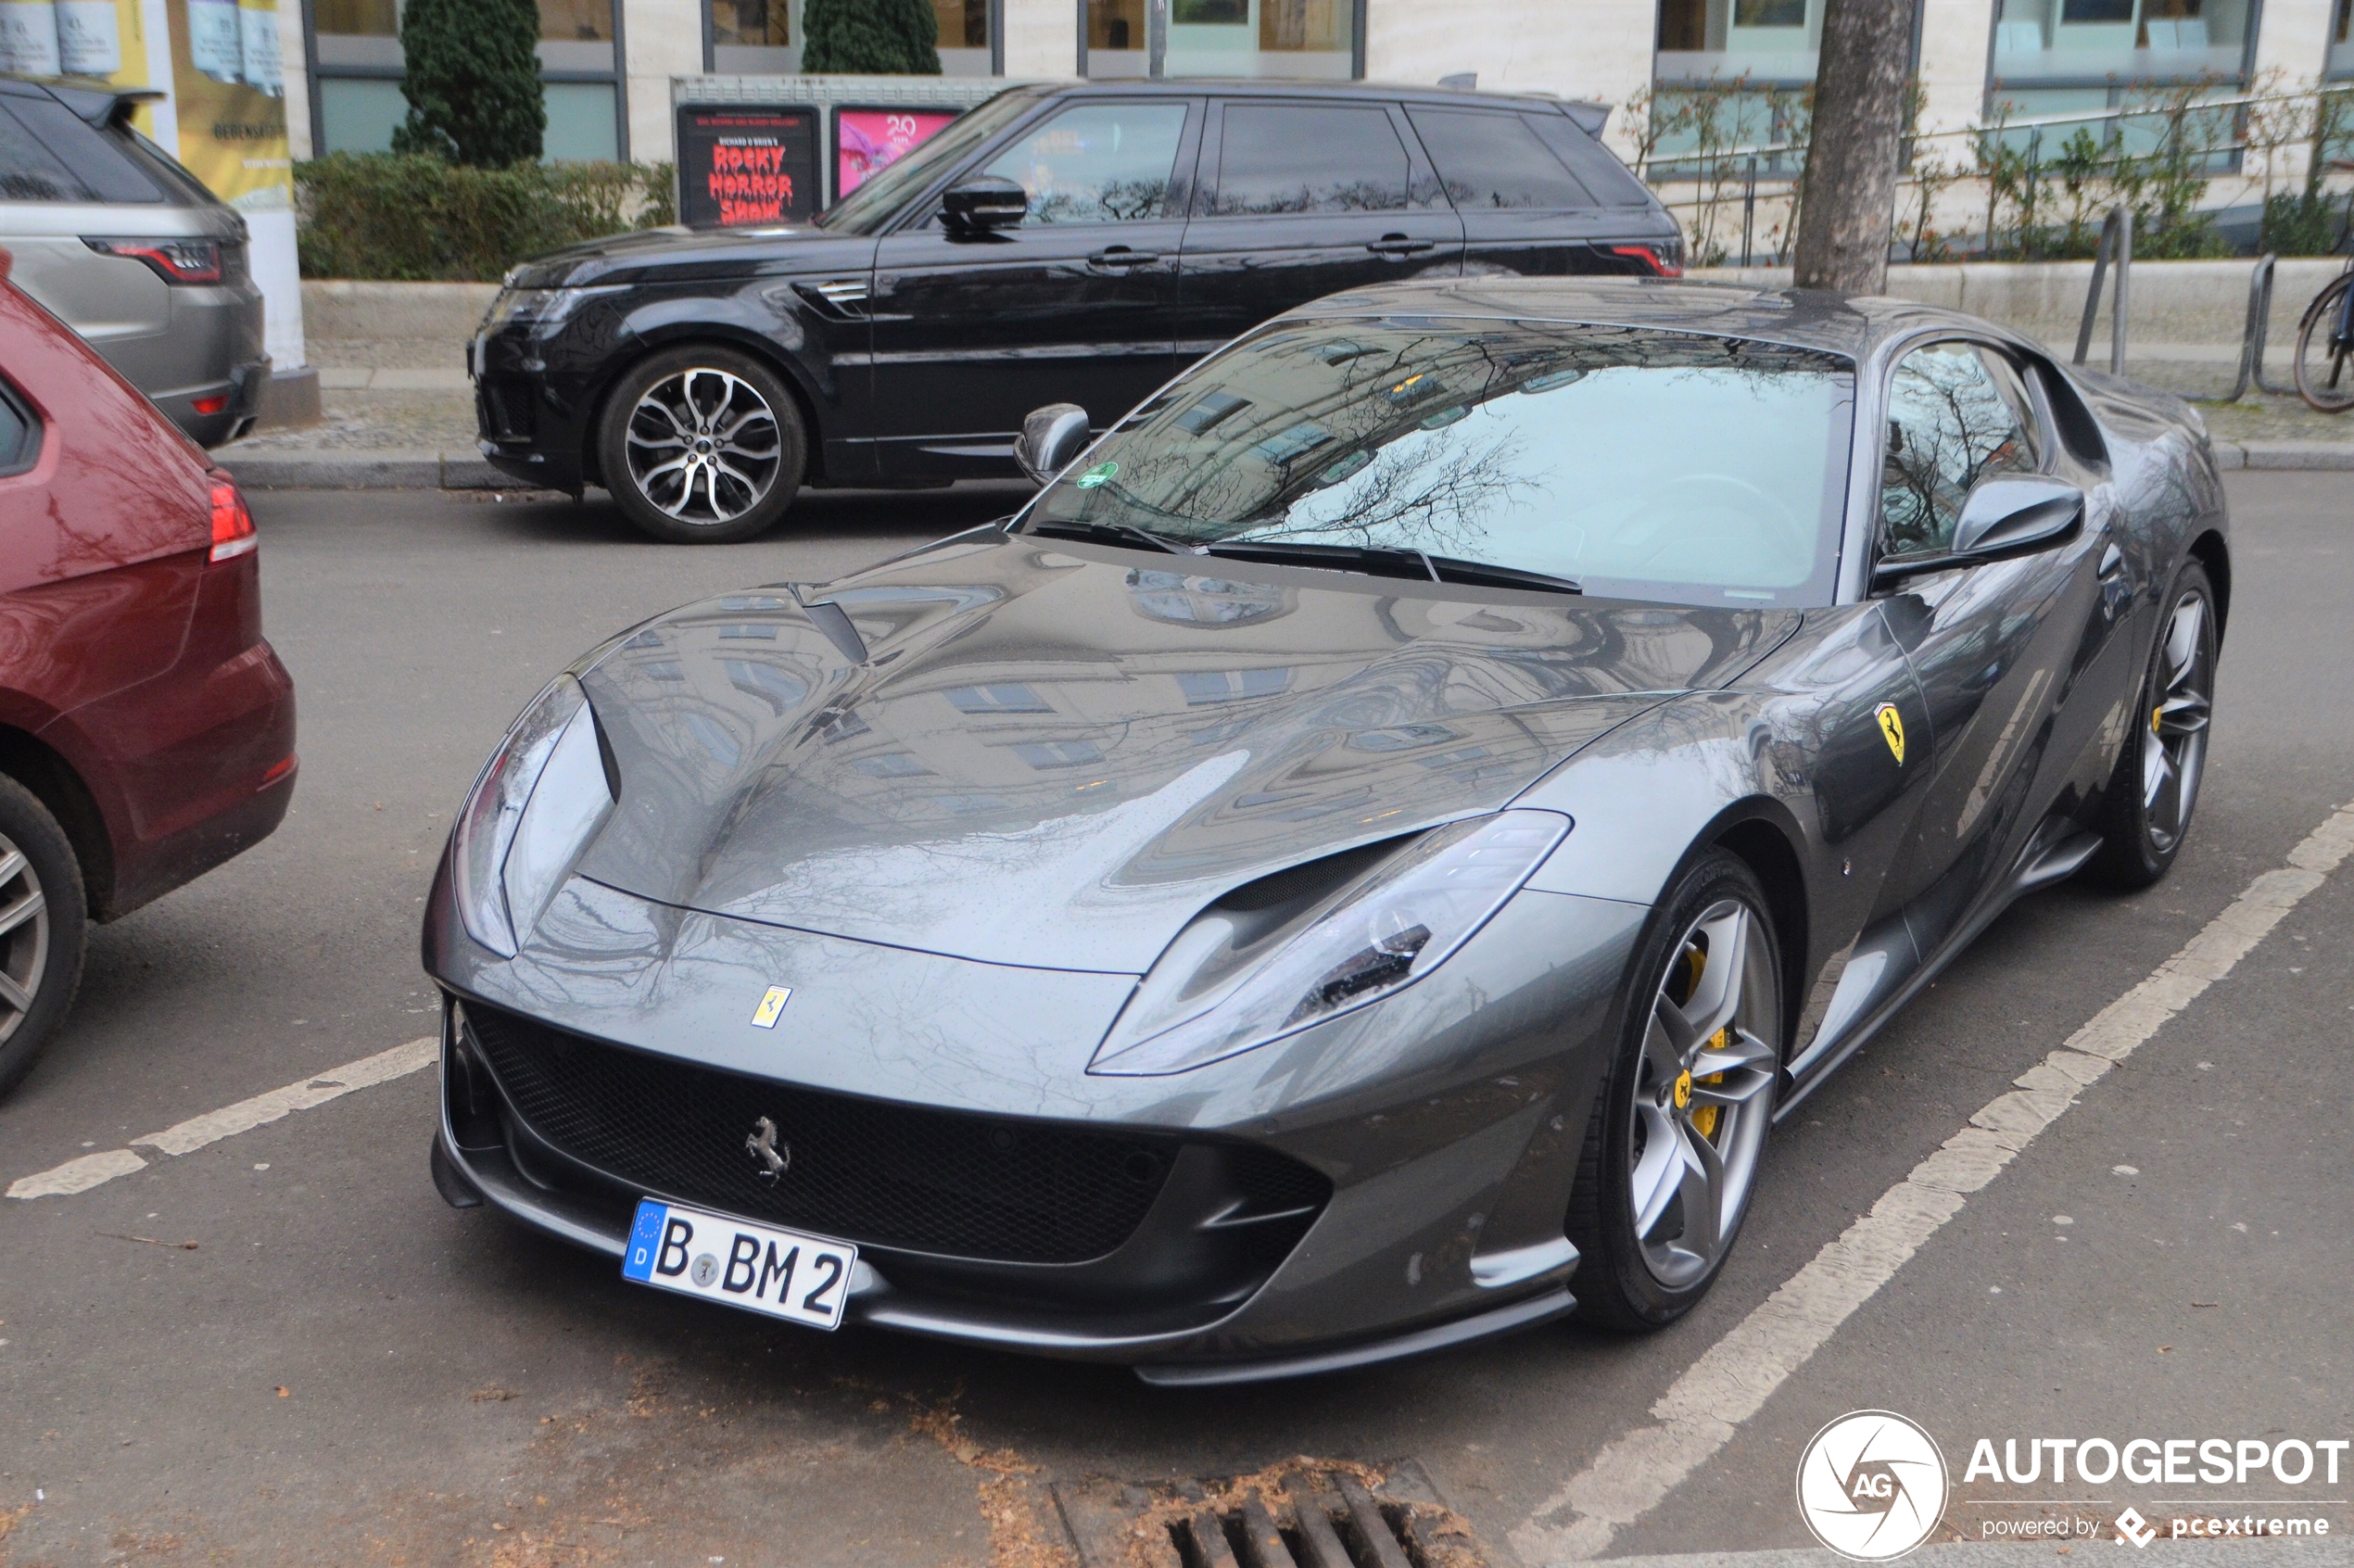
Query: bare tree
(1848, 210)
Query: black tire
(2321, 367)
(44, 910)
(1619, 1284)
(741, 450)
(2142, 825)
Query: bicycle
(2334, 306)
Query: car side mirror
(2007, 515)
(1050, 437)
(985, 202)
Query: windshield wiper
(1389, 561)
(1110, 533)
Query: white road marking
(1732, 1380)
(81, 1175)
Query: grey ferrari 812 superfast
(1362, 859)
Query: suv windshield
(875, 203)
(1638, 463)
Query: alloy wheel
(1704, 1093)
(704, 446)
(2180, 704)
(24, 937)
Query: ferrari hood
(1030, 751)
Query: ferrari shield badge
(1891, 730)
(765, 1016)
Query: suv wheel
(701, 445)
(41, 930)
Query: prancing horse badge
(1891, 730)
(765, 1016)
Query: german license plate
(736, 1263)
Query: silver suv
(130, 250)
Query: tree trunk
(1849, 207)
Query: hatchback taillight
(173, 260)
(232, 532)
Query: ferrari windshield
(1635, 462)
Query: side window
(1296, 158)
(1097, 164)
(19, 433)
(29, 171)
(99, 165)
(1493, 160)
(1596, 169)
(1957, 412)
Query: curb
(396, 470)
(388, 469)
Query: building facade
(608, 63)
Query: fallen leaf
(2164, 1349)
(281, 1391)
(2206, 1304)
(490, 1395)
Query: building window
(1730, 73)
(1314, 39)
(2084, 43)
(356, 103)
(763, 37)
(2342, 41)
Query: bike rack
(2117, 240)
(2260, 319)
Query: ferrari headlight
(1240, 976)
(541, 799)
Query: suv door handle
(1121, 255)
(1398, 245)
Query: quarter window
(1101, 163)
(1495, 161)
(1295, 158)
(1957, 412)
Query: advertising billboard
(749, 165)
(868, 141)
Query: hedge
(416, 219)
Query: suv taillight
(232, 533)
(173, 260)
(1660, 260)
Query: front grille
(900, 1176)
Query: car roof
(1853, 325)
(1387, 92)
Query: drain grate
(1302, 1513)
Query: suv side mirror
(2007, 515)
(1050, 437)
(985, 202)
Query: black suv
(1077, 244)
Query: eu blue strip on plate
(645, 1237)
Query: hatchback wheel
(701, 446)
(1672, 1144)
(41, 930)
(2151, 795)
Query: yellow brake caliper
(1704, 1119)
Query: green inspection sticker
(1097, 475)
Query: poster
(867, 141)
(745, 166)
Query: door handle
(1121, 255)
(1398, 245)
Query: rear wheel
(2325, 350)
(41, 930)
(2150, 796)
(701, 445)
(1672, 1144)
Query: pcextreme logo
(1871, 1485)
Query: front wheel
(2154, 788)
(701, 445)
(1673, 1146)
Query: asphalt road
(344, 1369)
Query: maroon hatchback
(147, 730)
